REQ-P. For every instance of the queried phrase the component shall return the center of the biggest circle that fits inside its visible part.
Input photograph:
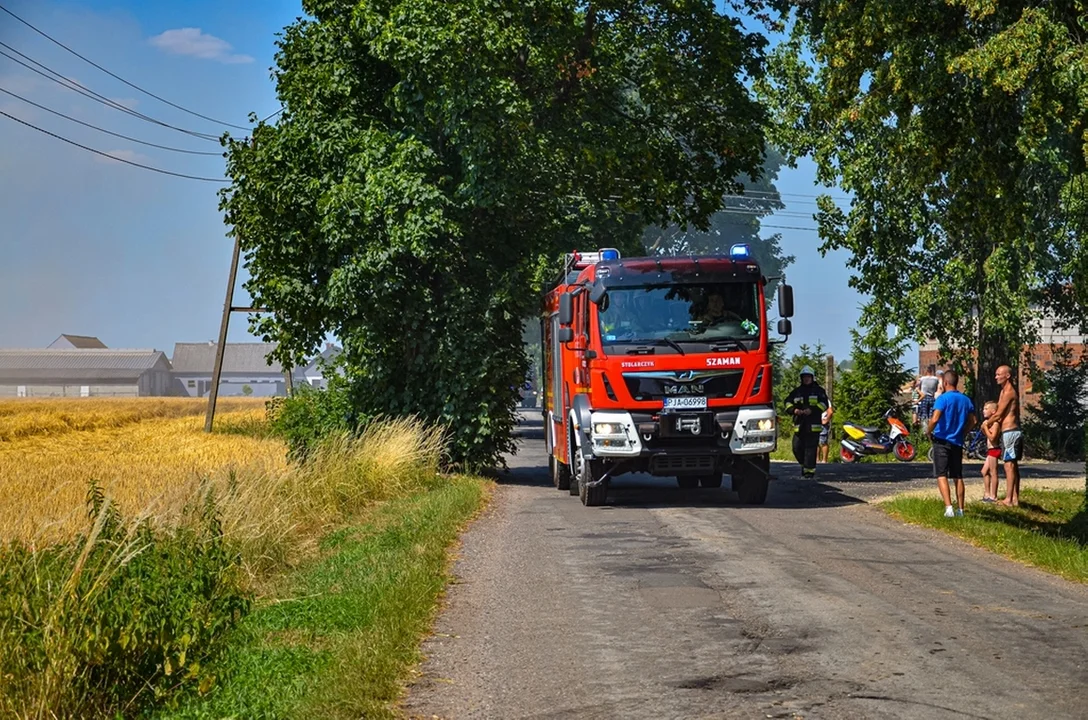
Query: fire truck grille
(674, 464)
(708, 384)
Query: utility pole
(220, 349)
(829, 386)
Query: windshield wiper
(724, 343)
(671, 343)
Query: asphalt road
(683, 604)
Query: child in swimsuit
(990, 479)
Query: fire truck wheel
(588, 472)
(560, 474)
(711, 481)
(687, 482)
(751, 488)
(573, 484)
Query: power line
(788, 227)
(108, 132)
(118, 77)
(97, 97)
(775, 193)
(112, 157)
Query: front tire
(752, 480)
(589, 471)
(904, 451)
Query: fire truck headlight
(607, 429)
(761, 425)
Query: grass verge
(1048, 531)
(346, 627)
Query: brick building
(1042, 354)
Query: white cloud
(130, 155)
(194, 42)
(129, 103)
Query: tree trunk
(993, 352)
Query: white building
(245, 365)
(314, 373)
(75, 372)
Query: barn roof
(72, 365)
(238, 358)
(83, 342)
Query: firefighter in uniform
(805, 405)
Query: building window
(192, 383)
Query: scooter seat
(865, 429)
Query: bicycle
(974, 446)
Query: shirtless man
(1007, 416)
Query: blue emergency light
(609, 254)
(740, 251)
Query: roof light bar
(585, 259)
(740, 251)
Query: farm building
(83, 372)
(245, 365)
(314, 373)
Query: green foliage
(875, 382)
(1049, 530)
(1054, 426)
(956, 126)
(738, 222)
(311, 414)
(342, 641)
(117, 619)
(247, 390)
(433, 157)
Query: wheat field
(153, 460)
(148, 454)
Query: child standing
(990, 479)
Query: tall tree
(956, 228)
(875, 381)
(739, 221)
(430, 153)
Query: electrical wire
(112, 157)
(76, 87)
(108, 132)
(118, 77)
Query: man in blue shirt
(953, 416)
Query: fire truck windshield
(706, 313)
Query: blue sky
(94, 246)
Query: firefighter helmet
(806, 370)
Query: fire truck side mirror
(785, 327)
(566, 309)
(564, 335)
(785, 301)
(597, 293)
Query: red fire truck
(660, 365)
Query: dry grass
(23, 418)
(147, 466)
(158, 467)
(158, 464)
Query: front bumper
(744, 431)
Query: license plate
(686, 403)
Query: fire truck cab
(660, 365)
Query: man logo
(685, 390)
